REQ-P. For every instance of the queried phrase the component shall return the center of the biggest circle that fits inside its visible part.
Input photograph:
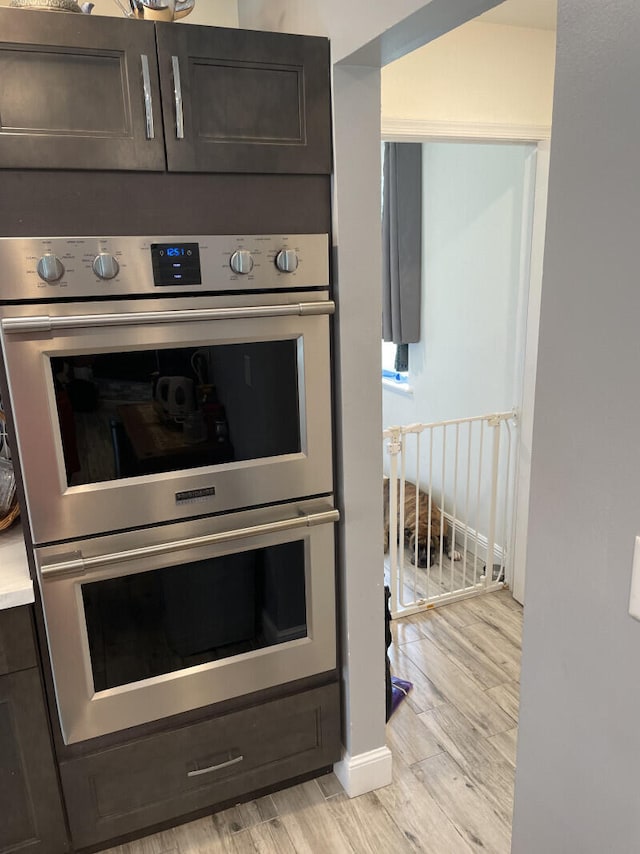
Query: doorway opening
(484, 186)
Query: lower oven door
(154, 623)
(140, 412)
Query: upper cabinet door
(78, 92)
(244, 101)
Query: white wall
(579, 739)
(476, 226)
(361, 32)
(220, 13)
(482, 74)
(477, 213)
(359, 401)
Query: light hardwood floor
(454, 748)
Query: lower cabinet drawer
(134, 786)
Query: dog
(428, 546)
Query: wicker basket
(10, 518)
(14, 512)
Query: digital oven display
(176, 264)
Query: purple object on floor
(399, 690)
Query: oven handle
(45, 323)
(79, 565)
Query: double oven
(171, 402)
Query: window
(391, 376)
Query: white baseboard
(364, 772)
(474, 539)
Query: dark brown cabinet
(31, 817)
(78, 93)
(83, 92)
(244, 101)
(128, 788)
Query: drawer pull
(211, 768)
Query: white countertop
(16, 587)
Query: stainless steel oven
(193, 377)
(152, 623)
(172, 405)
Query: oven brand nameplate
(190, 496)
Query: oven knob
(105, 266)
(50, 268)
(242, 262)
(287, 261)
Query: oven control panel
(40, 268)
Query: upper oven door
(150, 411)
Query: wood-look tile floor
(444, 576)
(454, 746)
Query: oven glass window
(144, 625)
(150, 411)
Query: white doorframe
(525, 432)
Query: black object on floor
(396, 688)
(497, 571)
(387, 639)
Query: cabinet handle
(211, 768)
(177, 92)
(148, 103)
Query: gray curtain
(402, 242)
